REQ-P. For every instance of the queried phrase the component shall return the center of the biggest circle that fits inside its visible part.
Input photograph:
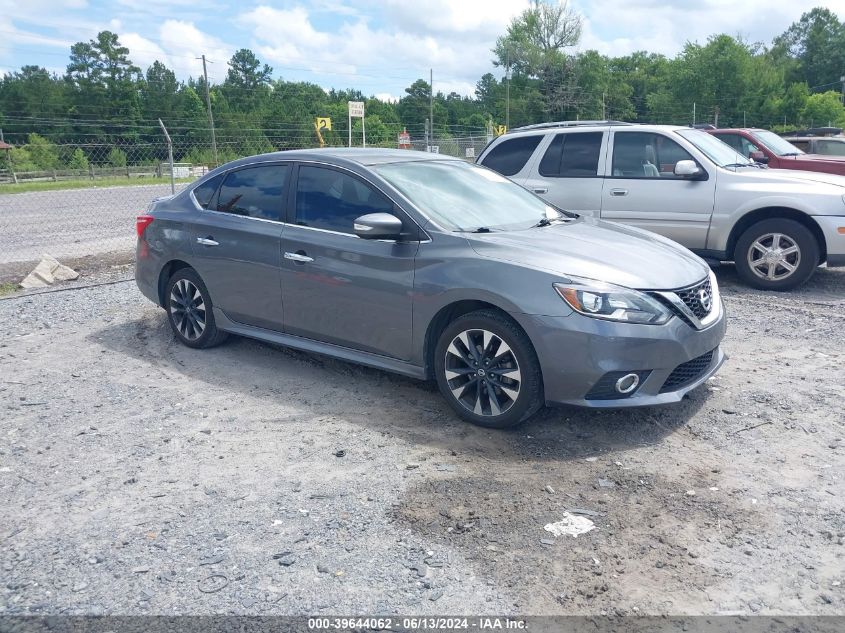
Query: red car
(767, 147)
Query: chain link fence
(79, 200)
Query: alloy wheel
(774, 256)
(187, 309)
(482, 372)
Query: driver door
(641, 189)
(337, 287)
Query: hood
(597, 249)
(786, 176)
(814, 158)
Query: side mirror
(688, 169)
(378, 226)
(759, 157)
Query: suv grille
(692, 298)
(687, 372)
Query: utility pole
(716, 117)
(210, 115)
(842, 79)
(508, 89)
(693, 113)
(431, 103)
(603, 107)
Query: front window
(463, 197)
(716, 150)
(646, 155)
(775, 143)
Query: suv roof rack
(553, 124)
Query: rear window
(255, 192)
(509, 156)
(572, 155)
(205, 192)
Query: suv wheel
(188, 306)
(487, 370)
(776, 254)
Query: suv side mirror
(759, 157)
(688, 169)
(378, 226)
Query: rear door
(568, 173)
(339, 288)
(642, 190)
(236, 242)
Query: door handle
(618, 192)
(207, 241)
(541, 190)
(301, 258)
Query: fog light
(627, 383)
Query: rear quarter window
(509, 157)
(205, 192)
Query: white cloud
(619, 27)
(363, 55)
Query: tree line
(104, 106)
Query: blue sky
(379, 46)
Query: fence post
(91, 171)
(169, 156)
(127, 169)
(54, 176)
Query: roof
(341, 155)
(545, 128)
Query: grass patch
(7, 289)
(61, 185)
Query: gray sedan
(437, 269)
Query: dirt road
(139, 476)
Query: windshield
(775, 143)
(718, 151)
(464, 197)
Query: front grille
(687, 372)
(692, 298)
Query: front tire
(776, 254)
(487, 370)
(189, 312)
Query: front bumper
(575, 352)
(834, 240)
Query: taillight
(141, 224)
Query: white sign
(356, 108)
(434, 149)
(470, 152)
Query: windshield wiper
(791, 154)
(480, 229)
(543, 222)
(742, 165)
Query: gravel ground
(72, 222)
(139, 476)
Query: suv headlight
(613, 303)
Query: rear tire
(189, 310)
(776, 254)
(487, 370)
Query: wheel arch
(167, 271)
(772, 213)
(444, 317)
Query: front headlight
(613, 303)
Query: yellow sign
(501, 129)
(323, 123)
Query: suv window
(834, 148)
(572, 155)
(256, 192)
(804, 146)
(330, 199)
(205, 192)
(509, 157)
(741, 144)
(646, 155)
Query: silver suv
(776, 225)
